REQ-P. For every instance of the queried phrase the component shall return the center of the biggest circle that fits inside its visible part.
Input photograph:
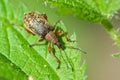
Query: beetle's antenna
(76, 49)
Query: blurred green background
(91, 37)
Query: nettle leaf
(34, 62)
(9, 71)
(91, 10)
(79, 8)
(116, 55)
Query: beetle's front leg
(56, 23)
(54, 27)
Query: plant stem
(111, 30)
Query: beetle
(37, 24)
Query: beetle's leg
(58, 32)
(44, 15)
(65, 35)
(18, 25)
(29, 31)
(68, 39)
(56, 23)
(36, 43)
(50, 50)
(53, 55)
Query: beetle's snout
(59, 45)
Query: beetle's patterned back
(30, 16)
(36, 23)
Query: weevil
(37, 24)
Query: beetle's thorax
(51, 37)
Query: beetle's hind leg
(21, 27)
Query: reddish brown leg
(59, 32)
(29, 31)
(50, 49)
(53, 55)
(36, 43)
(68, 39)
(44, 15)
(65, 35)
(62, 31)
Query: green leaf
(3, 8)
(91, 10)
(34, 62)
(117, 55)
(9, 71)
(111, 30)
(80, 8)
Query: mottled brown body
(38, 24)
